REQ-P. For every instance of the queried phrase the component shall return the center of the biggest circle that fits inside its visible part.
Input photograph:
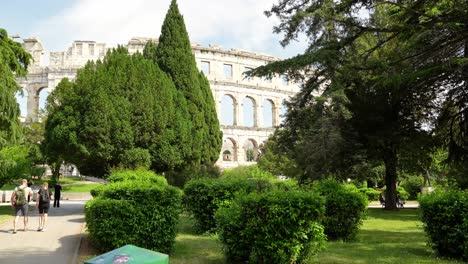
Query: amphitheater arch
(229, 150)
(228, 110)
(269, 113)
(251, 150)
(249, 107)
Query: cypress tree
(174, 56)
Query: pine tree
(174, 56)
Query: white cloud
(233, 24)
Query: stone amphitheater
(249, 109)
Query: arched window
(268, 114)
(251, 150)
(249, 111)
(227, 110)
(229, 150)
(43, 94)
(227, 155)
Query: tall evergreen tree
(118, 109)
(14, 61)
(174, 56)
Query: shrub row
(272, 227)
(202, 197)
(139, 211)
(445, 219)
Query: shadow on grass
(193, 248)
(400, 214)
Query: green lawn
(79, 187)
(386, 237)
(63, 180)
(6, 213)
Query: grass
(385, 237)
(69, 184)
(6, 213)
(74, 188)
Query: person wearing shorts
(20, 204)
(43, 204)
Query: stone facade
(223, 68)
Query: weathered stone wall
(223, 68)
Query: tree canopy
(14, 61)
(117, 107)
(400, 64)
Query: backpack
(20, 197)
(44, 196)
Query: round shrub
(346, 208)
(445, 219)
(202, 197)
(137, 175)
(272, 227)
(140, 213)
(97, 191)
(413, 186)
(370, 193)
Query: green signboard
(130, 254)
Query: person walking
(19, 201)
(58, 190)
(43, 204)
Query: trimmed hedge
(134, 212)
(272, 227)
(202, 197)
(445, 218)
(345, 206)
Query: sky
(232, 24)
(237, 24)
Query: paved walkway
(57, 245)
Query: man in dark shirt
(58, 190)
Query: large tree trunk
(390, 160)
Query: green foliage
(126, 211)
(137, 175)
(445, 218)
(174, 56)
(276, 161)
(14, 61)
(345, 206)
(412, 185)
(272, 227)
(180, 177)
(117, 110)
(14, 164)
(247, 172)
(371, 193)
(202, 197)
(136, 158)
